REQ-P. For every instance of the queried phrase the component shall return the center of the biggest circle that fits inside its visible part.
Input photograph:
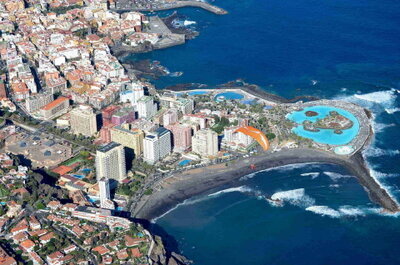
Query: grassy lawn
(3, 191)
(73, 160)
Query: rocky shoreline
(192, 182)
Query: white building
(132, 92)
(146, 107)
(83, 121)
(170, 117)
(236, 140)
(105, 194)
(205, 143)
(110, 162)
(156, 145)
(36, 102)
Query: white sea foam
(392, 110)
(374, 151)
(351, 211)
(377, 102)
(313, 175)
(242, 189)
(382, 175)
(379, 127)
(189, 22)
(336, 176)
(380, 97)
(296, 197)
(324, 211)
(281, 169)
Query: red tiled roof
(54, 103)
(62, 170)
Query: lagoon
(324, 136)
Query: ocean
(331, 49)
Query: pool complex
(324, 136)
(228, 96)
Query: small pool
(184, 162)
(228, 96)
(78, 176)
(86, 170)
(248, 102)
(93, 199)
(3, 203)
(324, 136)
(119, 209)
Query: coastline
(178, 188)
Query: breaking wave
(313, 175)
(324, 211)
(342, 211)
(296, 197)
(189, 22)
(335, 176)
(374, 151)
(380, 97)
(242, 189)
(281, 169)
(392, 110)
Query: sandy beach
(178, 188)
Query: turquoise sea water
(325, 136)
(342, 49)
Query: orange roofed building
(55, 108)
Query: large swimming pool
(228, 96)
(324, 136)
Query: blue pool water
(78, 176)
(325, 136)
(248, 102)
(93, 199)
(228, 96)
(184, 162)
(86, 170)
(194, 93)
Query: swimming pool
(93, 199)
(78, 176)
(228, 96)
(324, 136)
(195, 93)
(248, 102)
(184, 162)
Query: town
(82, 141)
